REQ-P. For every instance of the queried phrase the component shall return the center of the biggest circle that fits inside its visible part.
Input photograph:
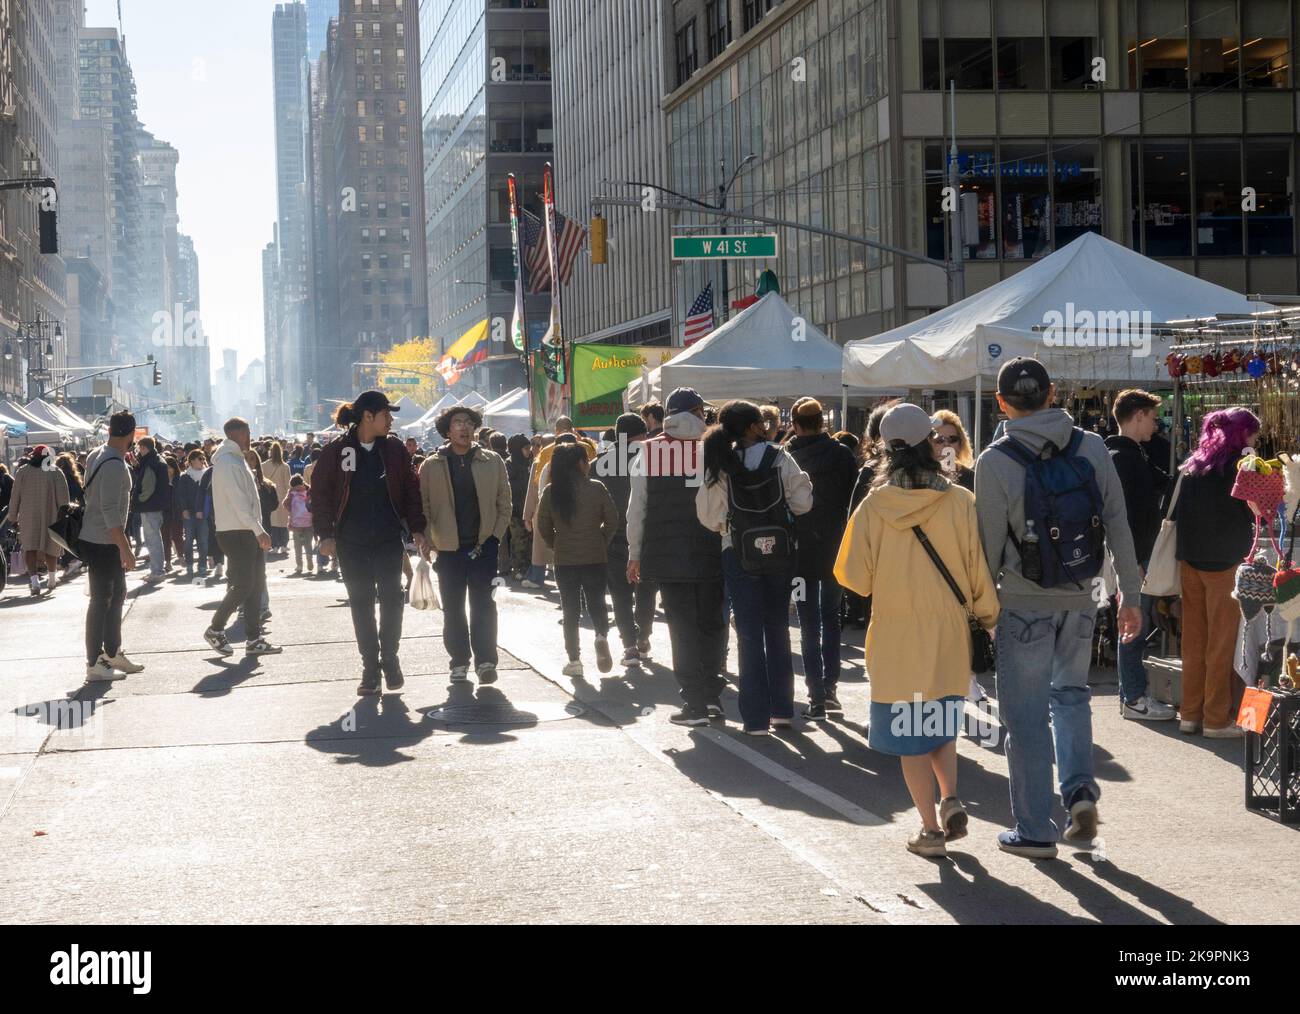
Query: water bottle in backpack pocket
(1065, 537)
(762, 528)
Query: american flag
(699, 319)
(569, 237)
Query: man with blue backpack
(1050, 507)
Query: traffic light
(49, 230)
(599, 246)
(157, 376)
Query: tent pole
(979, 406)
(844, 406)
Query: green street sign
(401, 381)
(697, 248)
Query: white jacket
(236, 505)
(711, 502)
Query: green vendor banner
(601, 373)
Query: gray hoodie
(999, 500)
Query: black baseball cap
(372, 401)
(1023, 377)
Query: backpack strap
(1014, 450)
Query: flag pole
(557, 326)
(518, 325)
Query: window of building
(1026, 201)
(383, 286)
(365, 261)
(1021, 63)
(401, 56)
(754, 11)
(381, 184)
(1166, 199)
(1219, 222)
(402, 133)
(361, 107)
(406, 209)
(1266, 54)
(1071, 61)
(401, 82)
(536, 56)
(381, 210)
(379, 133)
(1077, 202)
(406, 261)
(361, 133)
(977, 200)
(361, 55)
(376, 30)
(404, 184)
(1215, 54)
(363, 159)
(366, 286)
(376, 56)
(1270, 228)
(380, 157)
(383, 235)
(361, 82)
(365, 235)
(539, 135)
(687, 60)
(717, 17)
(383, 262)
(379, 82)
(967, 45)
(1157, 54)
(401, 107)
(401, 30)
(367, 312)
(359, 30)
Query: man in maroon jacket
(364, 491)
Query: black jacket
(833, 470)
(1215, 529)
(517, 471)
(1144, 488)
(161, 495)
(674, 545)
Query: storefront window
(1216, 56)
(1270, 228)
(1218, 198)
(1166, 199)
(1077, 208)
(1026, 201)
(1266, 51)
(976, 169)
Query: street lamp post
(35, 334)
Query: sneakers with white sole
(217, 641)
(928, 843)
(573, 668)
(262, 646)
(102, 672)
(1227, 732)
(121, 663)
(1144, 709)
(1081, 829)
(604, 660)
(460, 674)
(1188, 728)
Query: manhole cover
(523, 713)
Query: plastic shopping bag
(422, 594)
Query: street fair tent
(409, 407)
(509, 413)
(1097, 294)
(39, 431)
(59, 417)
(767, 351)
(424, 423)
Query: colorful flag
(699, 318)
(570, 236)
(554, 337)
(517, 321)
(469, 349)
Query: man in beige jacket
(466, 496)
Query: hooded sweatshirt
(999, 496)
(919, 640)
(672, 455)
(236, 501)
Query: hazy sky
(203, 84)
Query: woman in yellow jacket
(918, 644)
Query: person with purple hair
(1214, 532)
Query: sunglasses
(947, 440)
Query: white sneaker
(121, 663)
(531, 585)
(1146, 710)
(1189, 728)
(102, 672)
(1227, 732)
(573, 668)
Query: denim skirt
(909, 729)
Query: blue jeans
(1043, 663)
(761, 603)
(1132, 669)
(536, 573)
(195, 529)
(152, 522)
(819, 632)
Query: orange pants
(1210, 622)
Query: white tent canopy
(1097, 290)
(39, 431)
(58, 417)
(766, 351)
(509, 413)
(409, 407)
(425, 422)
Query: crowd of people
(724, 516)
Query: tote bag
(1163, 577)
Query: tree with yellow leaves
(419, 354)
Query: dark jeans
(819, 635)
(634, 605)
(1132, 668)
(459, 578)
(761, 604)
(246, 572)
(107, 593)
(374, 574)
(196, 530)
(583, 581)
(699, 638)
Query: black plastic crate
(1273, 762)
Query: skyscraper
(485, 75)
(319, 13)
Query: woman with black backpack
(752, 490)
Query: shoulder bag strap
(934, 556)
(1173, 499)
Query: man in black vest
(634, 605)
(668, 545)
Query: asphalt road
(217, 790)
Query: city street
(208, 790)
